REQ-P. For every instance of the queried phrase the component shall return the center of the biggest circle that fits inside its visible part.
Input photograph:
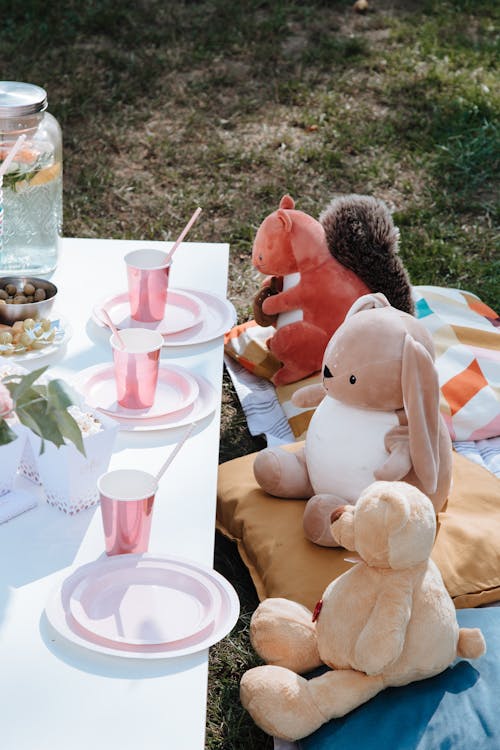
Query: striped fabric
(246, 343)
(263, 411)
(486, 453)
(251, 366)
(466, 335)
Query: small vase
(69, 479)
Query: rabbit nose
(326, 372)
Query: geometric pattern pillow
(466, 337)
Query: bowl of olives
(23, 297)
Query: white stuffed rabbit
(377, 417)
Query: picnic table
(54, 694)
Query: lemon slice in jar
(47, 174)
(40, 178)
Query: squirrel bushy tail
(471, 644)
(361, 235)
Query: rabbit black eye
(326, 372)
(352, 379)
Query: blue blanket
(456, 710)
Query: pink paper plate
(219, 316)
(183, 311)
(176, 390)
(204, 404)
(62, 621)
(153, 602)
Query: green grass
(167, 105)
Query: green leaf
(43, 409)
(70, 429)
(46, 422)
(29, 396)
(28, 421)
(58, 395)
(41, 390)
(52, 433)
(6, 434)
(25, 383)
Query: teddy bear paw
(283, 633)
(279, 702)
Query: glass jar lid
(21, 99)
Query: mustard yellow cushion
(268, 532)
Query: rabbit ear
(368, 302)
(420, 385)
(287, 202)
(285, 219)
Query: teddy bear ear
(287, 202)
(390, 498)
(285, 219)
(368, 302)
(397, 510)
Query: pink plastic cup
(136, 366)
(127, 497)
(147, 271)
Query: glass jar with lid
(32, 185)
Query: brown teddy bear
(385, 622)
(377, 417)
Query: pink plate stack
(143, 606)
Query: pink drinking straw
(113, 327)
(176, 450)
(183, 234)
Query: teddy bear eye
(352, 379)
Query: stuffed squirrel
(377, 417)
(317, 269)
(387, 621)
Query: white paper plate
(8, 368)
(63, 333)
(61, 619)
